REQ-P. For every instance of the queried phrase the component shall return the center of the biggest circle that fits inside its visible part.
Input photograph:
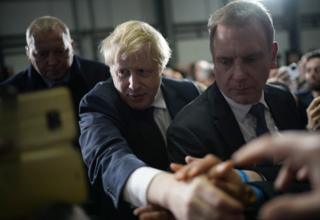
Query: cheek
(121, 85)
(40, 64)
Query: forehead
(140, 58)
(239, 40)
(50, 39)
(313, 61)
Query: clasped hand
(214, 191)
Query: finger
(190, 159)
(156, 215)
(175, 166)
(285, 176)
(315, 110)
(302, 206)
(253, 152)
(182, 173)
(315, 102)
(268, 146)
(147, 208)
(203, 165)
(221, 170)
(303, 173)
(196, 167)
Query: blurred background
(183, 22)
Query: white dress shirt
(246, 121)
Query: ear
(274, 52)
(72, 44)
(27, 49)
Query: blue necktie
(257, 111)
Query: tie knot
(257, 110)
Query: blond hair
(132, 36)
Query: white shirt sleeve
(135, 190)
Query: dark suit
(208, 125)
(112, 142)
(84, 74)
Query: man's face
(312, 68)
(50, 53)
(137, 79)
(242, 60)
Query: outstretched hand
(221, 174)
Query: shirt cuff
(135, 190)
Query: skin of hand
(301, 150)
(194, 199)
(221, 174)
(153, 212)
(313, 113)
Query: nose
(133, 81)
(52, 58)
(238, 71)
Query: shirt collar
(239, 110)
(159, 100)
(50, 83)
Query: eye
(144, 72)
(41, 54)
(123, 73)
(225, 61)
(250, 59)
(61, 52)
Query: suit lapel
(173, 102)
(224, 120)
(278, 111)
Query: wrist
(248, 176)
(258, 192)
(162, 189)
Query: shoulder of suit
(276, 89)
(86, 61)
(21, 76)
(178, 83)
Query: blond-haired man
(123, 151)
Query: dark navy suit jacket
(84, 74)
(112, 142)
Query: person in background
(123, 123)
(53, 63)
(300, 152)
(308, 102)
(203, 73)
(172, 73)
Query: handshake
(205, 188)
